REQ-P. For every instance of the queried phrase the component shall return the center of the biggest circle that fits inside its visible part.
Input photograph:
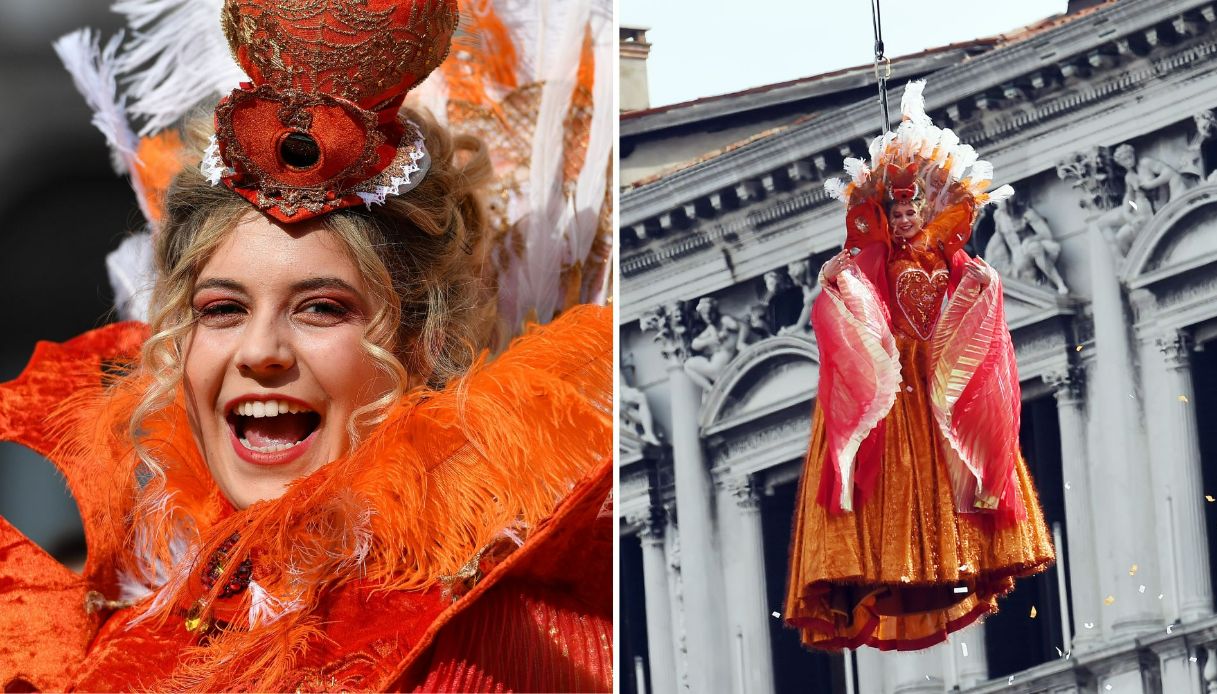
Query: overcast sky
(706, 47)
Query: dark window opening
(1014, 639)
(632, 618)
(1204, 385)
(795, 669)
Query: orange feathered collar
(446, 474)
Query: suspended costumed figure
(333, 449)
(915, 510)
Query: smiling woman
(274, 368)
(311, 312)
(323, 463)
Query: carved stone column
(1087, 605)
(660, 637)
(1116, 426)
(748, 607)
(1176, 452)
(708, 663)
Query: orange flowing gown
(905, 568)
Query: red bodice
(918, 280)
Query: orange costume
(396, 568)
(915, 510)
(465, 544)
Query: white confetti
(964, 646)
(776, 615)
(1141, 588)
(1089, 625)
(1068, 486)
(1193, 659)
(1011, 680)
(961, 589)
(1107, 687)
(1170, 628)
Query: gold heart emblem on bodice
(919, 294)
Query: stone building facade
(1103, 120)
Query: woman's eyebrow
(220, 283)
(323, 283)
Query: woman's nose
(265, 348)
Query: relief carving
(720, 339)
(1023, 245)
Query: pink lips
(277, 457)
(268, 458)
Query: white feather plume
(946, 145)
(593, 178)
(177, 58)
(856, 169)
(835, 188)
(876, 146)
(933, 135)
(912, 103)
(982, 170)
(265, 608)
(999, 194)
(95, 71)
(549, 218)
(963, 157)
(132, 275)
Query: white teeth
(274, 448)
(268, 408)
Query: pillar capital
(1066, 383)
(743, 490)
(1176, 347)
(672, 325)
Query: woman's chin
(245, 481)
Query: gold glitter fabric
(905, 568)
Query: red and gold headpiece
(902, 183)
(317, 128)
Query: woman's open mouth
(272, 432)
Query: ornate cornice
(1008, 89)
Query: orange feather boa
(447, 474)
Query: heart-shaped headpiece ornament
(317, 128)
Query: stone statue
(635, 411)
(1091, 172)
(758, 323)
(1206, 129)
(715, 346)
(1023, 246)
(782, 300)
(1141, 178)
(800, 273)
